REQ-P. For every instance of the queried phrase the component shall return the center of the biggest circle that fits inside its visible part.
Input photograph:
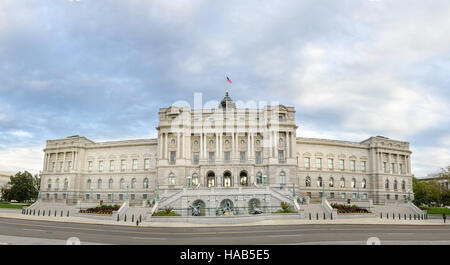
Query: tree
(21, 187)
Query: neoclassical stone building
(210, 155)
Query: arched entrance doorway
(211, 179)
(243, 178)
(227, 179)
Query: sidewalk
(16, 214)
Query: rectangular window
(242, 156)
(135, 165)
(100, 165)
(123, 165)
(60, 166)
(64, 196)
(133, 197)
(341, 164)
(353, 195)
(258, 157)
(69, 165)
(307, 162)
(343, 195)
(388, 197)
(172, 157)
(195, 158)
(146, 164)
(330, 163)
(319, 163)
(352, 165)
(396, 197)
(98, 196)
(90, 165)
(144, 196)
(211, 157)
(110, 197)
(111, 165)
(400, 168)
(53, 166)
(281, 156)
(392, 168)
(363, 165)
(87, 196)
(121, 197)
(332, 195)
(365, 196)
(227, 156)
(384, 167)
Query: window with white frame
(90, 165)
(363, 165)
(341, 164)
(123, 164)
(111, 165)
(352, 165)
(307, 162)
(319, 163)
(330, 163)
(135, 164)
(100, 165)
(146, 164)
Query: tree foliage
(430, 192)
(22, 187)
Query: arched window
(110, 184)
(89, 184)
(122, 184)
(308, 182)
(49, 183)
(171, 179)
(319, 182)
(57, 183)
(386, 184)
(403, 185)
(146, 183)
(66, 184)
(99, 184)
(395, 184)
(282, 178)
(259, 178)
(364, 184)
(194, 179)
(353, 183)
(331, 182)
(133, 183)
(342, 182)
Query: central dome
(227, 102)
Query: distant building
(440, 178)
(4, 179)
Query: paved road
(18, 231)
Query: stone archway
(243, 178)
(227, 179)
(211, 179)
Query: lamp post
(409, 195)
(293, 190)
(358, 194)
(126, 198)
(265, 180)
(91, 196)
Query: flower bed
(103, 209)
(166, 212)
(342, 208)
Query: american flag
(228, 80)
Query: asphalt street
(16, 231)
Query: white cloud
(21, 134)
(426, 160)
(21, 159)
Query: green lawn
(13, 205)
(436, 210)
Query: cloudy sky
(352, 69)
